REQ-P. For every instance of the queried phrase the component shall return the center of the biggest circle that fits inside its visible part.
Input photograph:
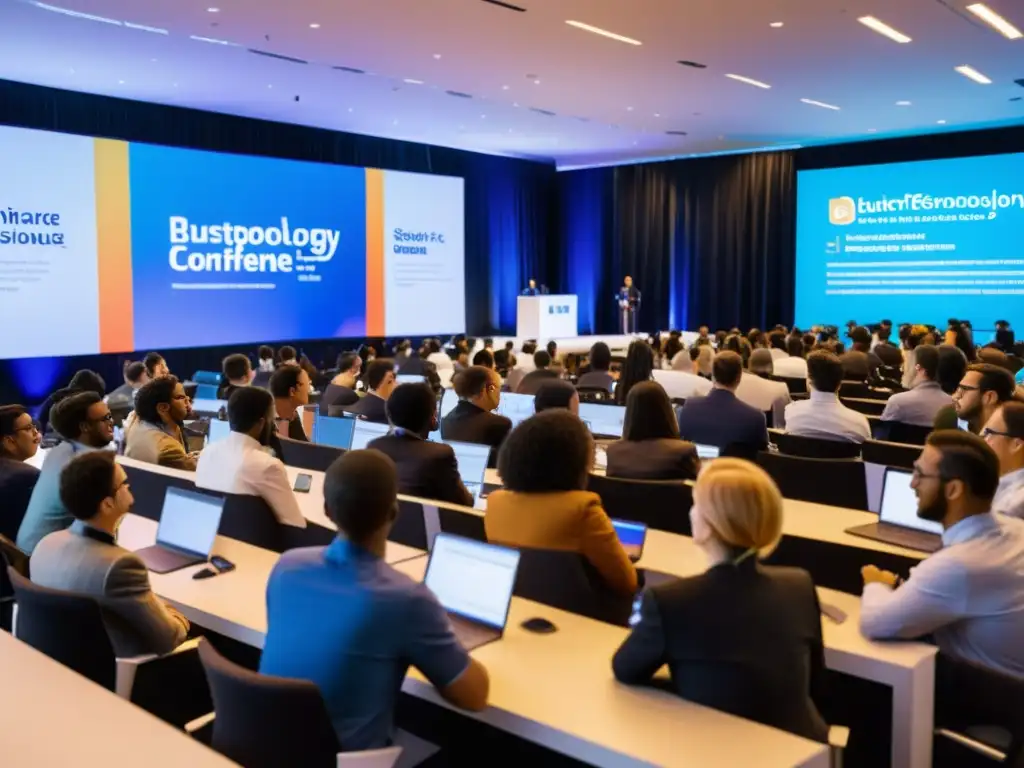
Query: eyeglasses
(107, 417)
(33, 427)
(967, 388)
(989, 431)
(919, 475)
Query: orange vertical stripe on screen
(114, 246)
(374, 252)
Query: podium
(546, 317)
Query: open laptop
(472, 460)
(188, 528)
(632, 536)
(707, 451)
(473, 581)
(603, 420)
(898, 523)
(515, 407)
(208, 406)
(365, 432)
(410, 378)
(216, 430)
(448, 402)
(335, 431)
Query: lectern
(546, 317)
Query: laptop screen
(335, 431)
(448, 402)
(472, 460)
(208, 405)
(603, 419)
(218, 429)
(189, 521)
(515, 407)
(899, 503)
(472, 579)
(632, 537)
(707, 451)
(409, 378)
(365, 432)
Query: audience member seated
(673, 349)
(342, 389)
(19, 441)
(741, 637)
(86, 560)
(426, 469)
(981, 391)
(920, 404)
(156, 366)
(484, 358)
(951, 370)
(472, 420)
(543, 372)
(701, 362)
(523, 366)
(266, 358)
(85, 423)
(795, 365)
(237, 372)
(761, 393)
(600, 362)
(650, 448)
(1004, 432)
(916, 335)
(135, 377)
(287, 355)
(290, 386)
(83, 381)
(346, 620)
(502, 362)
(720, 418)
(544, 465)
(380, 380)
(240, 463)
(966, 596)
(860, 363)
(639, 366)
(438, 356)
(557, 394)
(157, 436)
(886, 351)
(822, 415)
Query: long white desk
(55, 717)
(554, 690)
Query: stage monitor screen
(110, 246)
(916, 242)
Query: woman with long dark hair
(639, 367)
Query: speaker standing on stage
(532, 289)
(628, 298)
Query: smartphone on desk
(222, 565)
(303, 483)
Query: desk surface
(55, 717)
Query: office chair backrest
(898, 432)
(861, 405)
(13, 557)
(150, 487)
(862, 390)
(837, 482)
(409, 528)
(796, 386)
(815, 447)
(267, 722)
(463, 524)
(890, 454)
(298, 453)
(68, 628)
(660, 504)
(565, 580)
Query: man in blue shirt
(85, 423)
(967, 595)
(346, 620)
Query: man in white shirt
(920, 404)
(967, 596)
(438, 356)
(764, 394)
(777, 345)
(822, 415)
(241, 463)
(795, 365)
(682, 384)
(524, 365)
(1004, 433)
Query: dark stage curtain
(509, 206)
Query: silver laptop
(898, 523)
(474, 582)
(188, 528)
(515, 407)
(472, 460)
(632, 536)
(217, 431)
(208, 407)
(365, 432)
(705, 451)
(603, 420)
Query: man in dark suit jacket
(380, 379)
(425, 469)
(19, 441)
(722, 420)
(542, 373)
(471, 421)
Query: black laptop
(898, 523)
(188, 528)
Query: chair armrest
(128, 667)
(370, 758)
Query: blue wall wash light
(37, 376)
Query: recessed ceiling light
(821, 104)
(973, 74)
(902, 103)
(120, 82)
(412, 81)
(603, 32)
(350, 109)
(213, 10)
(153, 60)
(657, 114)
(437, 55)
(629, 109)
(872, 130)
(483, 117)
(314, 25)
(536, 82)
(941, 122)
(504, 87)
(996, 21)
(270, 86)
(775, 24)
(749, 81)
(883, 29)
(394, 122)
(515, 103)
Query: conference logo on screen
(41, 228)
(280, 247)
(842, 210)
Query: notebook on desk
(898, 523)
(474, 582)
(188, 528)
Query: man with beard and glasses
(983, 388)
(241, 462)
(967, 596)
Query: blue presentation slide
(913, 242)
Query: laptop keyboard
(894, 534)
(471, 634)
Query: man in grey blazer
(85, 559)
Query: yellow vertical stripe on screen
(114, 246)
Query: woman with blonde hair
(741, 637)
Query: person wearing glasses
(19, 441)
(158, 437)
(983, 388)
(84, 422)
(967, 595)
(85, 559)
(1004, 432)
